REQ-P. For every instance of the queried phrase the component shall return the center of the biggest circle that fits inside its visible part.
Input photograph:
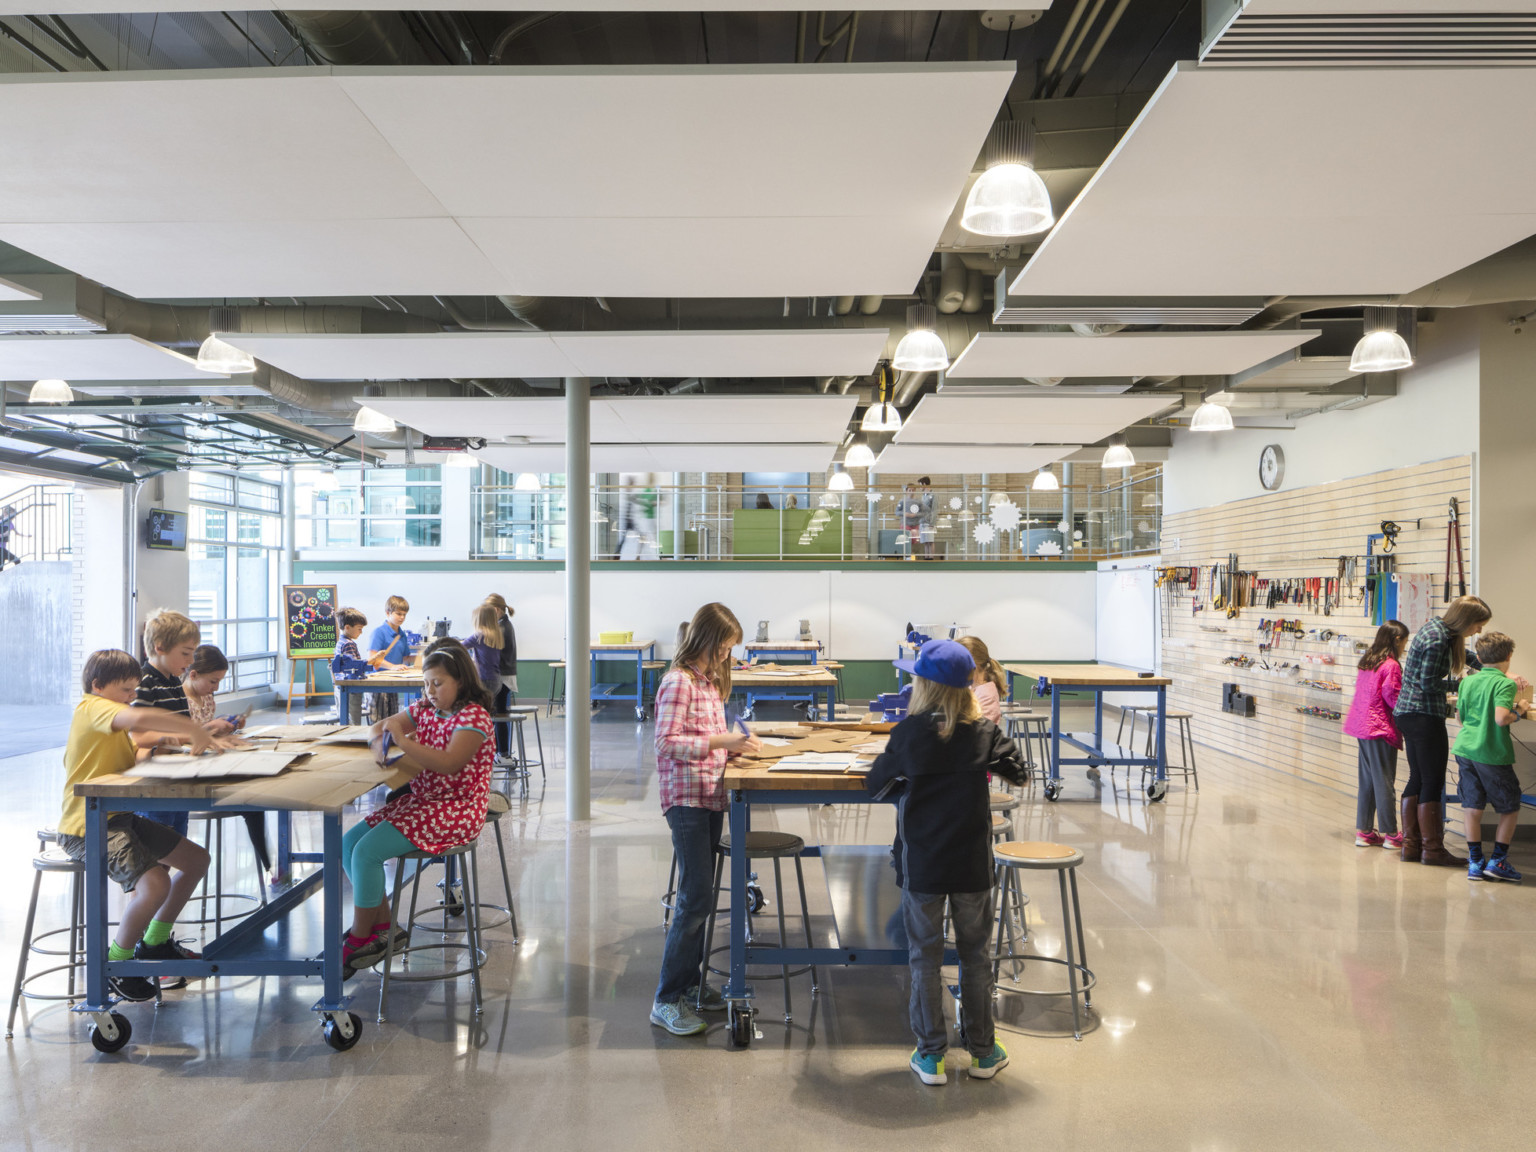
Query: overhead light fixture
(1045, 481)
(1381, 349)
(1009, 199)
(51, 392)
(839, 481)
(1211, 417)
(921, 349)
(880, 416)
(372, 420)
(527, 482)
(1118, 454)
(216, 355)
(859, 455)
(461, 460)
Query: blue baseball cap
(942, 661)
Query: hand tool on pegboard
(1453, 535)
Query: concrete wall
(35, 605)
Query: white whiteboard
(1126, 617)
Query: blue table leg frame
(604, 692)
(362, 688)
(1097, 756)
(753, 695)
(227, 955)
(738, 993)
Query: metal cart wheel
(1053, 790)
(112, 1033)
(342, 1030)
(739, 1022)
(1157, 790)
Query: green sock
(116, 951)
(158, 932)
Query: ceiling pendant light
(839, 481)
(921, 349)
(1381, 349)
(880, 416)
(859, 455)
(216, 355)
(460, 460)
(51, 392)
(372, 420)
(527, 482)
(1211, 417)
(1009, 199)
(1118, 454)
(1045, 481)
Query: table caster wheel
(640, 715)
(1053, 790)
(1095, 775)
(1157, 790)
(342, 1032)
(755, 899)
(739, 1025)
(453, 899)
(112, 1037)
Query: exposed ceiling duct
(358, 38)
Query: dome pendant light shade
(1118, 454)
(921, 349)
(1381, 349)
(460, 460)
(840, 481)
(1009, 199)
(1045, 481)
(859, 456)
(217, 356)
(527, 482)
(372, 420)
(881, 418)
(1210, 417)
(51, 392)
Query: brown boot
(1409, 826)
(1432, 832)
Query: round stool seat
(456, 850)
(1036, 854)
(57, 860)
(522, 709)
(766, 845)
(1000, 823)
(1175, 714)
(497, 804)
(47, 835)
(1017, 710)
(1003, 802)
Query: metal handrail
(40, 520)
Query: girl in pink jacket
(1370, 722)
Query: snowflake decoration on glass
(984, 533)
(1048, 548)
(1006, 516)
(914, 509)
(955, 502)
(874, 497)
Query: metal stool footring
(472, 945)
(1081, 979)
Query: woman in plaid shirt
(692, 745)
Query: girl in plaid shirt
(692, 745)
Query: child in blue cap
(935, 767)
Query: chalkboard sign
(309, 612)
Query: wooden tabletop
(632, 646)
(391, 678)
(1086, 675)
(785, 645)
(757, 778)
(819, 678)
(332, 777)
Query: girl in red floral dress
(445, 743)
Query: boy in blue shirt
(1488, 703)
(388, 648)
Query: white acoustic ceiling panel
(726, 180)
(665, 457)
(702, 419)
(12, 292)
(1021, 420)
(459, 355)
(95, 357)
(997, 355)
(962, 458)
(1362, 181)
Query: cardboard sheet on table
(347, 734)
(826, 741)
(840, 762)
(290, 731)
(184, 766)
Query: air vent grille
(1389, 40)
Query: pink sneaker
(1393, 843)
(1369, 839)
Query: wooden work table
(1085, 675)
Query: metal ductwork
(1502, 278)
(371, 38)
(559, 313)
(502, 387)
(188, 326)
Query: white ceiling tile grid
(95, 357)
(992, 355)
(1027, 420)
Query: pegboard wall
(1299, 537)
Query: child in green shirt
(1487, 704)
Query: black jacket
(508, 648)
(943, 816)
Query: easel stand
(310, 681)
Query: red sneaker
(1369, 839)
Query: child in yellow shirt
(104, 738)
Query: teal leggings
(363, 852)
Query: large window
(370, 508)
(234, 556)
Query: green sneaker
(711, 1001)
(929, 1069)
(988, 1066)
(678, 1019)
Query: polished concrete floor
(1263, 984)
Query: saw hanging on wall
(1453, 534)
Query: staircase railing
(35, 524)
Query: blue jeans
(971, 915)
(695, 837)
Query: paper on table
(184, 766)
(773, 742)
(815, 762)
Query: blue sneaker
(988, 1066)
(1475, 869)
(929, 1069)
(1499, 869)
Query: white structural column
(578, 591)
